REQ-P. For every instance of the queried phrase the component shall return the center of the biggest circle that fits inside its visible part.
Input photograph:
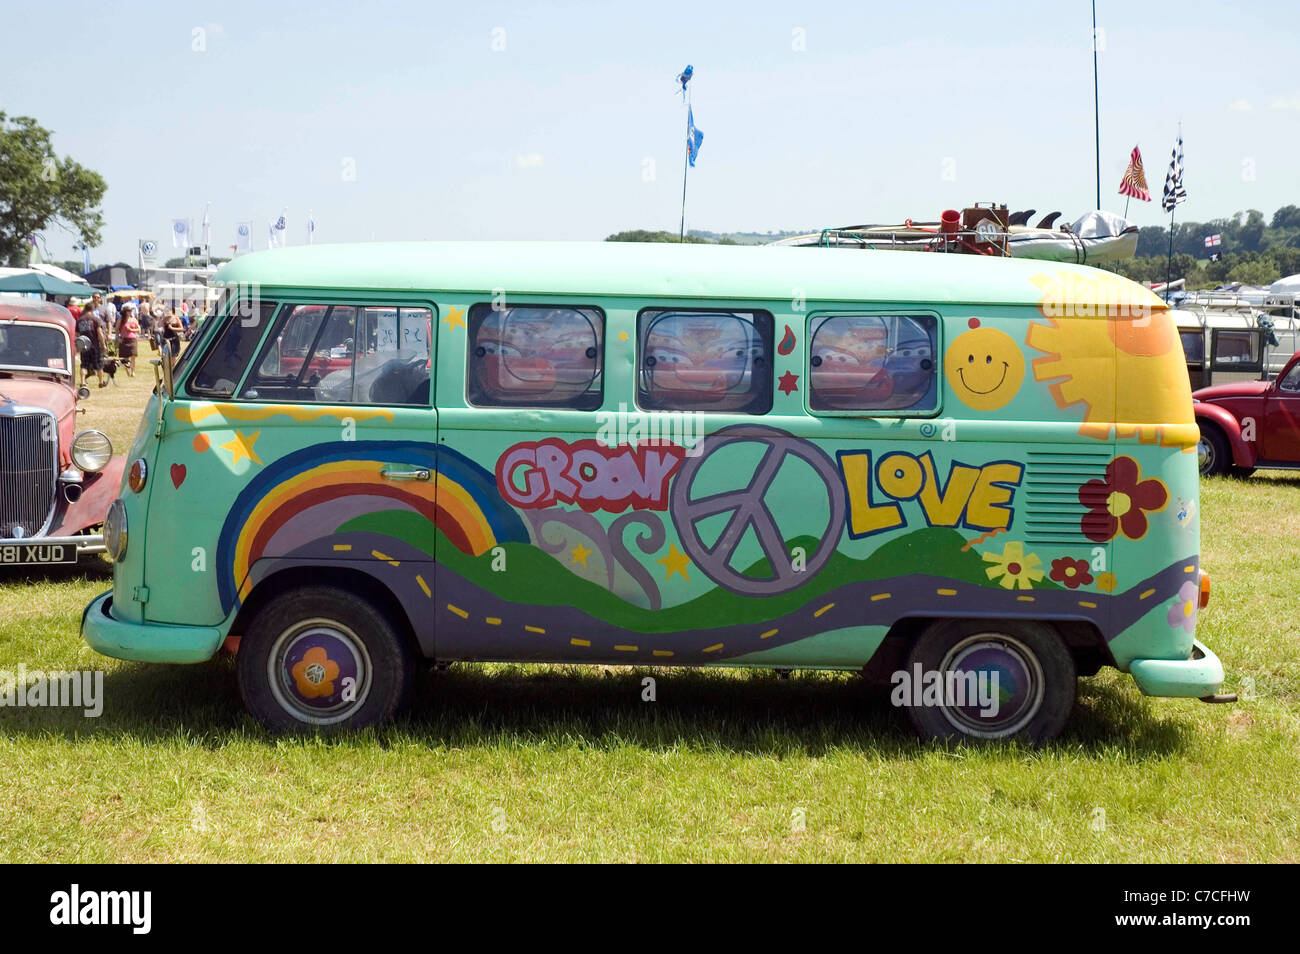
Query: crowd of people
(114, 333)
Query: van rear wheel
(324, 659)
(1023, 686)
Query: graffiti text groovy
(975, 497)
(595, 477)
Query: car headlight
(92, 450)
(115, 530)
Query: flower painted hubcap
(1005, 693)
(319, 671)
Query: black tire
(1213, 453)
(347, 637)
(1030, 654)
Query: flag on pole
(181, 233)
(281, 228)
(693, 136)
(684, 77)
(1213, 240)
(1134, 183)
(311, 226)
(85, 259)
(1175, 192)
(206, 223)
(244, 237)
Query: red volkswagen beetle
(55, 483)
(1250, 424)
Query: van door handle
(390, 473)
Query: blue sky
(573, 130)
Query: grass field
(553, 763)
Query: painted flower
(1016, 568)
(1071, 573)
(1183, 612)
(315, 673)
(1120, 502)
(1106, 582)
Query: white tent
(63, 273)
(1285, 286)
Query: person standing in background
(172, 332)
(91, 328)
(128, 339)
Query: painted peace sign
(749, 508)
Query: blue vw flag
(693, 136)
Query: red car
(55, 484)
(1250, 424)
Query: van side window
(872, 363)
(224, 364)
(536, 356)
(332, 354)
(1236, 349)
(704, 360)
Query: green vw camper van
(973, 479)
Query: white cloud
(1240, 106)
(1286, 102)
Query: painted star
(454, 318)
(241, 447)
(675, 562)
(579, 554)
(789, 383)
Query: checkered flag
(1175, 192)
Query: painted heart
(201, 442)
(178, 475)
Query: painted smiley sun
(1119, 357)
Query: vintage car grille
(28, 473)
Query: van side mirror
(169, 383)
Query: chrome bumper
(85, 543)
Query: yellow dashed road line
(424, 586)
(492, 620)
(574, 641)
(1143, 596)
(342, 547)
(535, 629)
(1086, 605)
(663, 652)
(947, 592)
(626, 649)
(823, 609)
(770, 633)
(879, 596)
(385, 557)
(714, 648)
(458, 611)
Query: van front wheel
(988, 680)
(322, 658)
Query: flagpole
(1169, 262)
(1096, 102)
(686, 165)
